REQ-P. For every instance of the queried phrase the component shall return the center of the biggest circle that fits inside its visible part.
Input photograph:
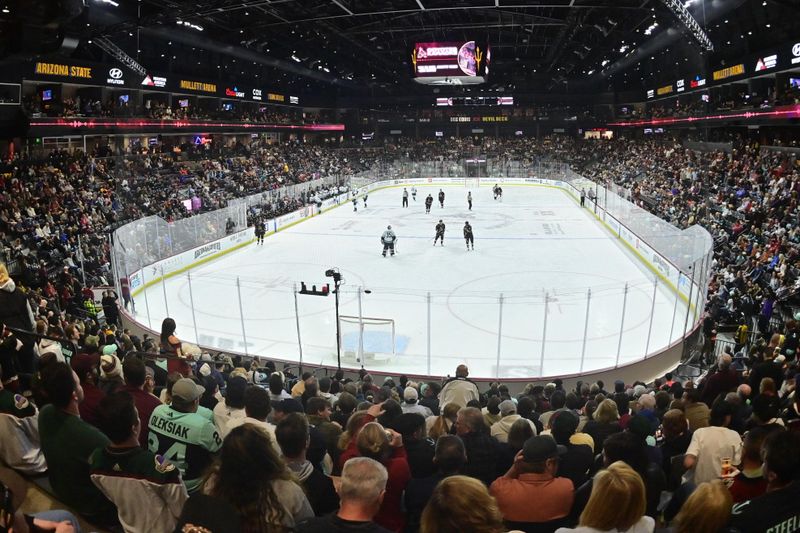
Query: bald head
(462, 371)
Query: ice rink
(545, 274)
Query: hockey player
(469, 199)
(583, 197)
(439, 233)
(405, 197)
(414, 193)
(441, 198)
(388, 239)
(365, 200)
(355, 204)
(468, 235)
(498, 192)
(428, 203)
(260, 231)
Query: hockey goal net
(472, 182)
(367, 339)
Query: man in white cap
(508, 412)
(410, 405)
(182, 436)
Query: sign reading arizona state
(67, 71)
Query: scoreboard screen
(490, 101)
(450, 63)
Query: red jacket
(390, 515)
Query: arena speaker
(32, 28)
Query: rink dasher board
(176, 264)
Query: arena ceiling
(365, 45)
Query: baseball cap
(288, 405)
(410, 393)
(187, 390)
(541, 447)
(507, 407)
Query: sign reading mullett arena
(198, 86)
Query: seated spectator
(203, 514)
(292, 434)
(437, 426)
(532, 478)
(183, 436)
(605, 422)
(577, 462)
(361, 495)
(777, 508)
(110, 370)
(410, 405)
(20, 447)
(482, 449)
(276, 390)
(449, 459)
(697, 413)
(430, 396)
(319, 416)
(557, 401)
(491, 413)
(508, 413)
(707, 510)
(147, 489)
(617, 503)
(419, 450)
(750, 482)
(345, 406)
(232, 406)
(460, 504)
(724, 380)
(257, 409)
(250, 476)
(86, 367)
(68, 442)
(711, 445)
(459, 390)
(135, 377)
(386, 447)
(676, 434)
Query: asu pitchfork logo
(414, 58)
(478, 59)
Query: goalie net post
(362, 353)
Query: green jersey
(187, 440)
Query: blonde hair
(707, 510)
(354, 423)
(618, 499)
(372, 441)
(461, 504)
(606, 412)
(440, 427)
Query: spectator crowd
(148, 434)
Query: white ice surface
(536, 243)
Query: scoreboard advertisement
(450, 63)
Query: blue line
(377, 237)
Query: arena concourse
(226, 305)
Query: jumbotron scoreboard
(451, 63)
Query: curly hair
(243, 476)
